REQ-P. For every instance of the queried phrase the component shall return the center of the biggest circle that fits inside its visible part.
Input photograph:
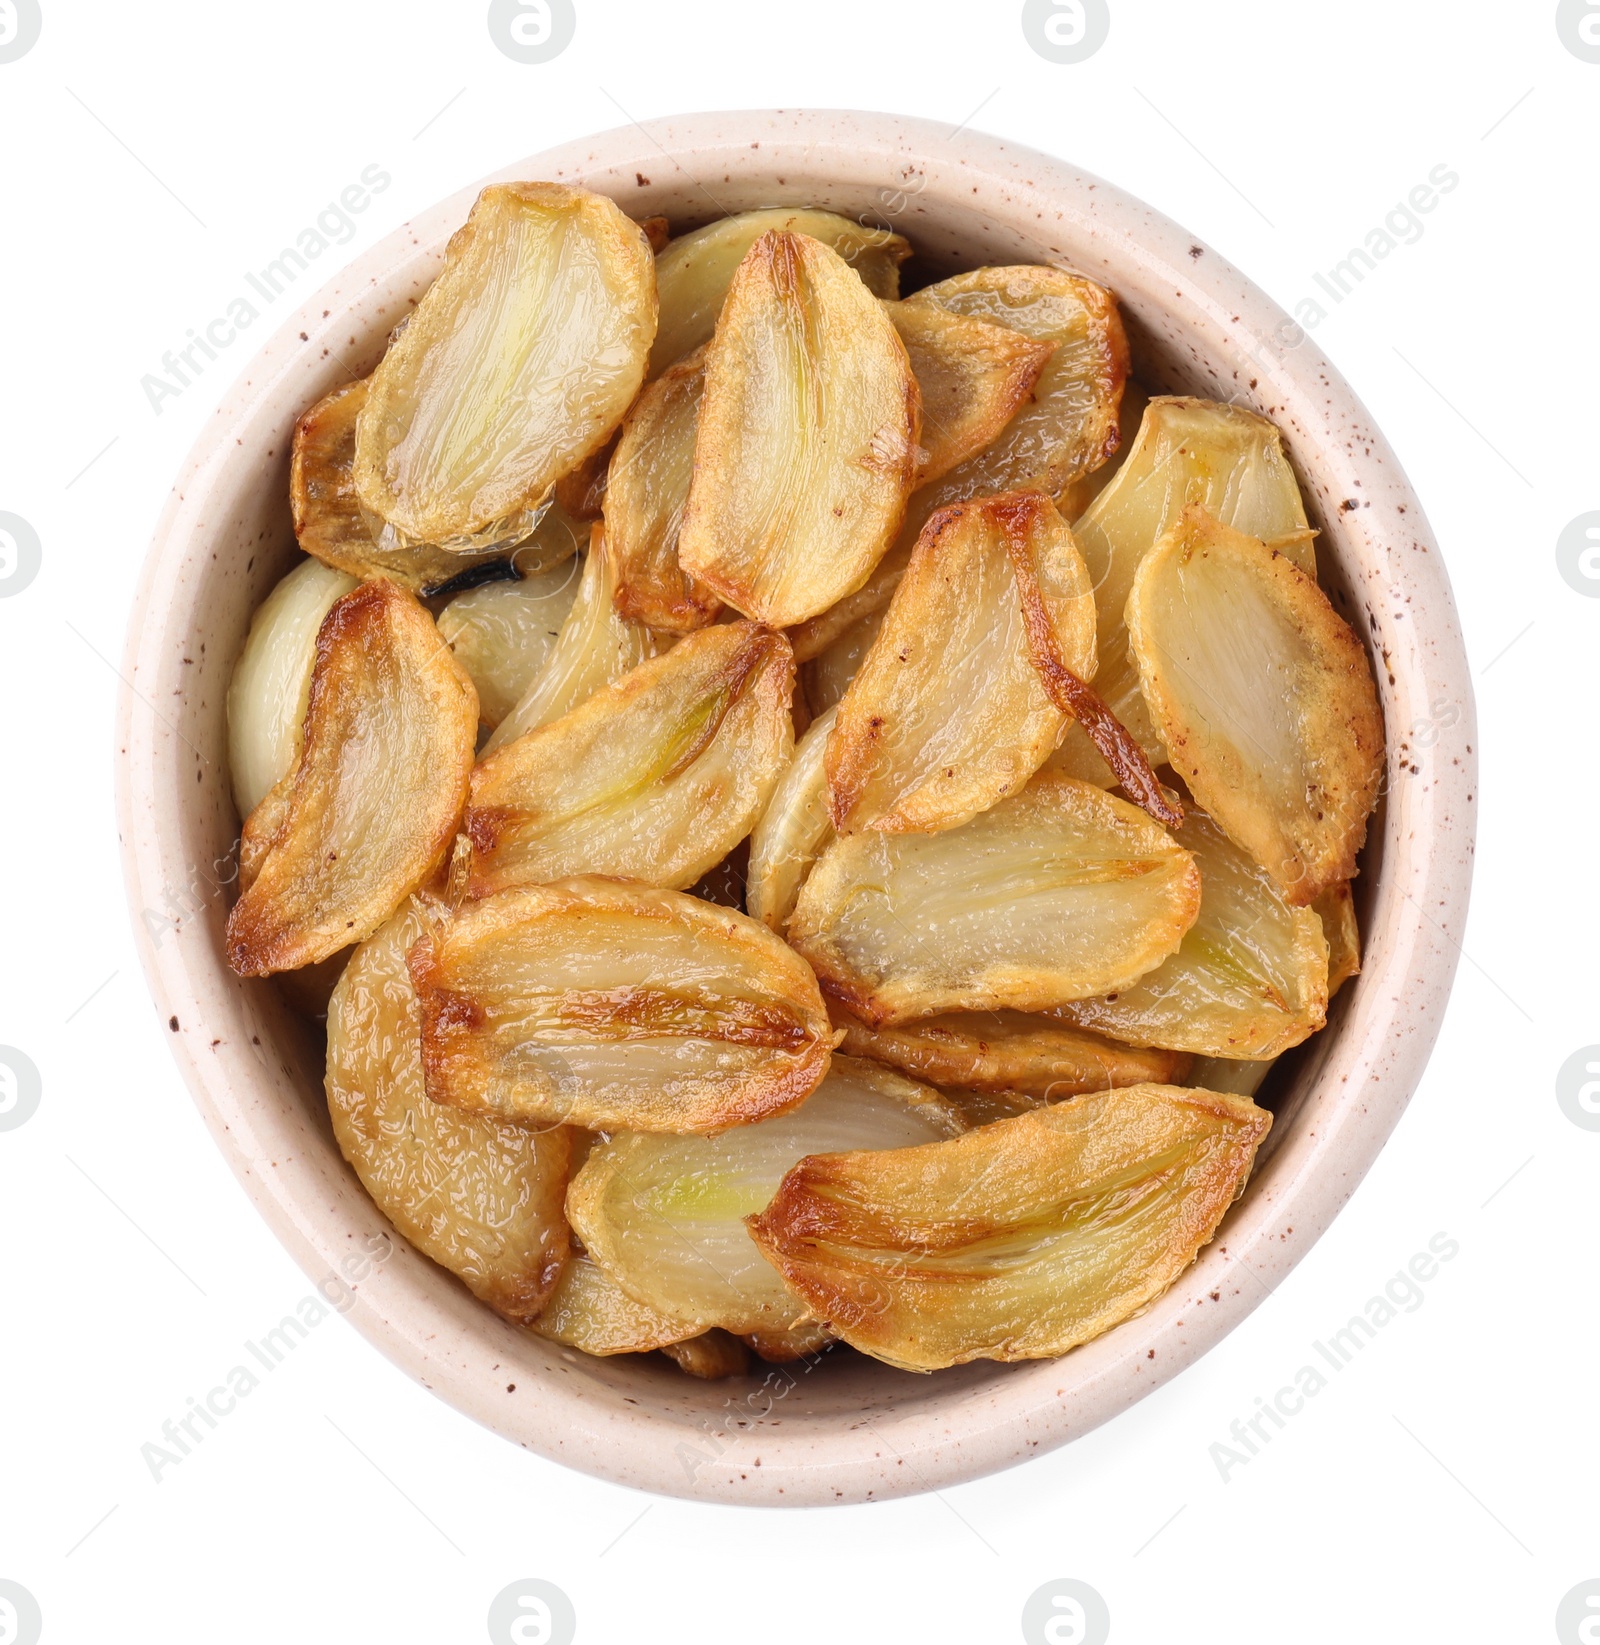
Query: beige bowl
(847, 1429)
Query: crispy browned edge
(712, 1355)
(355, 618)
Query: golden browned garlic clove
(616, 1006)
(481, 1199)
(596, 645)
(973, 377)
(590, 1311)
(1067, 429)
(693, 272)
(793, 831)
(1009, 1051)
(271, 684)
(331, 524)
(1337, 910)
(950, 711)
(655, 778)
(1249, 979)
(1019, 1240)
(1186, 451)
(645, 496)
(1264, 698)
(710, 1356)
(665, 1215)
(519, 361)
(1060, 892)
(807, 444)
(505, 633)
(372, 807)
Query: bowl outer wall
(850, 1431)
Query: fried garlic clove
(1074, 499)
(1061, 892)
(481, 1199)
(710, 1356)
(1264, 697)
(616, 1006)
(655, 778)
(505, 633)
(665, 1215)
(271, 684)
(950, 711)
(793, 832)
(331, 524)
(590, 1311)
(1186, 451)
(1249, 979)
(693, 271)
(973, 378)
(1336, 909)
(1068, 428)
(1019, 1240)
(371, 809)
(807, 444)
(645, 497)
(596, 645)
(519, 361)
(1009, 1051)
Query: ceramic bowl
(847, 1429)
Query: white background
(1441, 1488)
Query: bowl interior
(844, 1427)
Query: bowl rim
(1364, 1076)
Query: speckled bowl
(848, 1429)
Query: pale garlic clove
(1060, 892)
(806, 449)
(693, 272)
(481, 1199)
(973, 378)
(655, 778)
(505, 633)
(371, 809)
(665, 1215)
(1242, 1078)
(596, 645)
(614, 1006)
(1264, 697)
(1021, 1239)
(645, 497)
(793, 832)
(588, 1310)
(271, 685)
(1249, 980)
(518, 362)
(995, 1051)
(951, 711)
(1186, 451)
